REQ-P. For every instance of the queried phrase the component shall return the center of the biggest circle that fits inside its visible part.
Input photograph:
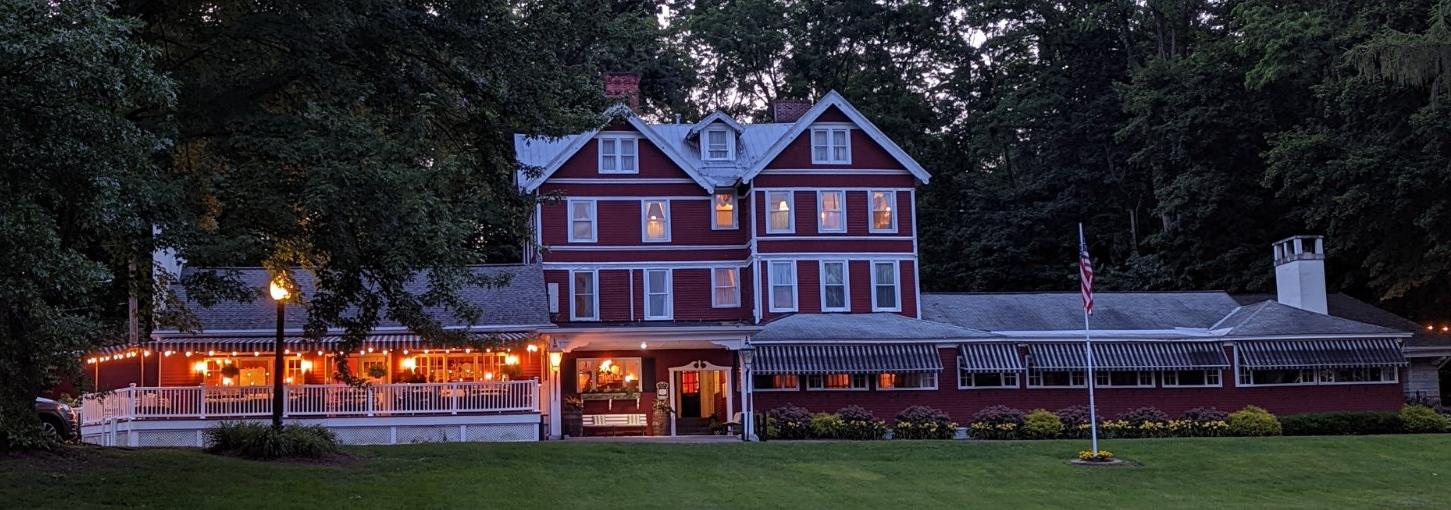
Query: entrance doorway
(701, 396)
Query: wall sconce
(306, 365)
(511, 360)
(554, 359)
(410, 363)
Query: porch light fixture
(279, 293)
(555, 358)
(200, 367)
(643, 345)
(511, 360)
(532, 348)
(410, 364)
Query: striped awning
(1357, 352)
(1128, 355)
(265, 344)
(989, 357)
(846, 359)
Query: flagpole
(1088, 350)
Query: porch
(368, 414)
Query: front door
(699, 401)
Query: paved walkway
(655, 439)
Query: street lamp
(280, 295)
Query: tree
(79, 183)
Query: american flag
(1085, 272)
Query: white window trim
(829, 130)
(806, 383)
(790, 216)
(600, 148)
(705, 144)
(896, 283)
(735, 213)
(936, 381)
(1395, 378)
(845, 284)
(1164, 378)
(594, 286)
(771, 286)
(715, 285)
(799, 384)
(1081, 373)
(645, 220)
(594, 220)
(1017, 381)
(820, 210)
(1242, 374)
(871, 212)
(669, 294)
(1138, 379)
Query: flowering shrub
(1206, 414)
(1041, 424)
(1253, 421)
(997, 422)
(1418, 419)
(1143, 415)
(826, 426)
(922, 422)
(788, 422)
(1075, 421)
(859, 423)
(1100, 456)
(1201, 422)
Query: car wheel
(50, 430)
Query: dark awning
(265, 344)
(989, 357)
(1360, 352)
(1128, 356)
(846, 359)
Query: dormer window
(619, 155)
(718, 145)
(831, 145)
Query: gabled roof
(834, 99)
(720, 117)
(861, 327)
(1271, 319)
(576, 142)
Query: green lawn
(1318, 472)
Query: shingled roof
(1054, 311)
(1270, 318)
(861, 327)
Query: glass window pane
(835, 297)
(656, 280)
(583, 231)
(607, 147)
(838, 138)
(833, 272)
(886, 274)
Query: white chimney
(1300, 272)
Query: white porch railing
(311, 400)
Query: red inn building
(720, 269)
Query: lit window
(884, 287)
(884, 215)
(586, 301)
(837, 381)
(913, 381)
(774, 382)
(619, 155)
(726, 287)
(830, 208)
(833, 286)
(460, 367)
(719, 145)
(966, 379)
(830, 145)
(581, 221)
(657, 294)
(783, 286)
(724, 209)
(607, 377)
(656, 220)
(778, 208)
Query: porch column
(556, 405)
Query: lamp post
(280, 295)
(748, 393)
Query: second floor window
(657, 294)
(584, 298)
(725, 287)
(783, 286)
(778, 213)
(884, 287)
(656, 220)
(831, 145)
(833, 286)
(884, 211)
(718, 145)
(723, 209)
(619, 155)
(581, 221)
(831, 211)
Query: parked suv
(58, 418)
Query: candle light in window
(410, 363)
(488, 376)
(200, 367)
(511, 360)
(605, 365)
(306, 366)
(629, 378)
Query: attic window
(718, 145)
(619, 155)
(831, 145)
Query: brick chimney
(624, 86)
(789, 110)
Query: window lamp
(884, 211)
(656, 218)
(830, 208)
(779, 219)
(723, 207)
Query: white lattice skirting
(357, 431)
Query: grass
(1305, 472)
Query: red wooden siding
(618, 223)
(865, 153)
(653, 163)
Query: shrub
(860, 424)
(1144, 415)
(1205, 414)
(1041, 424)
(1419, 419)
(1075, 421)
(1141, 422)
(254, 440)
(1253, 421)
(922, 422)
(826, 426)
(1200, 422)
(788, 422)
(1341, 423)
(997, 422)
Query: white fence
(310, 401)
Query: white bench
(614, 420)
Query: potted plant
(377, 372)
(660, 418)
(573, 414)
(231, 371)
